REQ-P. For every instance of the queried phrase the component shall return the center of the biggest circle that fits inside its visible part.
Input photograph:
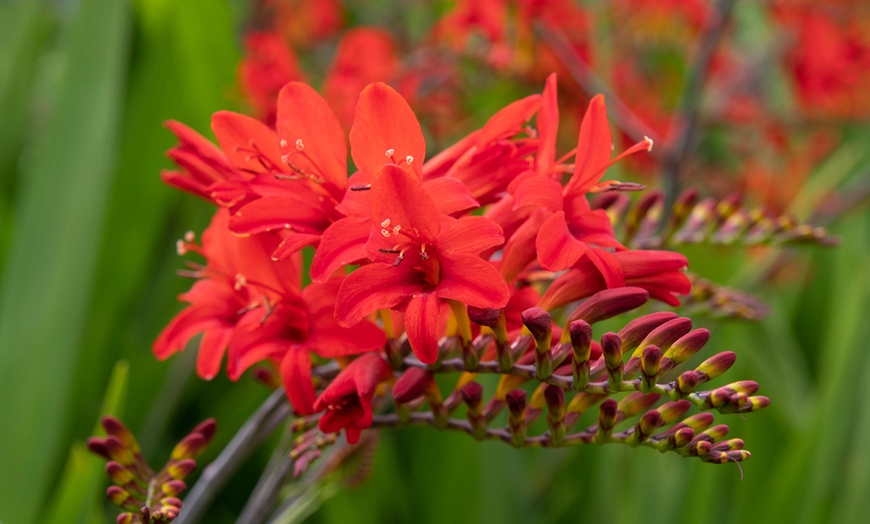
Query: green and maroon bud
(688, 381)
(540, 325)
(188, 447)
(728, 205)
(173, 488)
(755, 403)
(609, 303)
(674, 410)
(635, 403)
(646, 425)
(120, 475)
(611, 348)
(638, 329)
(699, 421)
(650, 367)
(115, 427)
(472, 395)
(119, 452)
(97, 446)
(738, 455)
(607, 413)
(555, 398)
(712, 435)
(517, 401)
(647, 211)
(682, 207)
(681, 438)
(207, 429)
(699, 448)
(122, 498)
(717, 364)
(171, 501)
(181, 469)
(494, 319)
(412, 384)
(126, 518)
(685, 347)
(662, 336)
(729, 445)
(580, 333)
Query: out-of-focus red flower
(364, 55)
(830, 60)
(420, 257)
(302, 21)
(348, 398)
(269, 63)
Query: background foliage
(87, 234)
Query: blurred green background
(87, 254)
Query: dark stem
(592, 84)
(685, 121)
(215, 476)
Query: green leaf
(45, 289)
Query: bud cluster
(145, 496)
(691, 220)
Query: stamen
(399, 259)
(390, 152)
(409, 159)
(650, 143)
(241, 282)
(386, 233)
(361, 188)
(385, 223)
(189, 236)
(180, 247)
(285, 158)
(282, 143)
(397, 229)
(299, 145)
(423, 254)
(392, 251)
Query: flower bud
(539, 324)
(611, 348)
(173, 487)
(700, 421)
(636, 402)
(555, 397)
(472, 395)
(637, 330)
(412, 384)
(188, 447)
(119, 475)
(673, 411)
(681, 438)
(607, 413)
(609, 303)
(687, 345)
(650, 367)
(646, 425)
(181, 469)
(717, 364)
(688, 381)
(115, 427)
(580, 333)
(118, 452)
(517, 401)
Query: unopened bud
(647, 424)
(120, 475)
(688, 381)
(173, 487)
(486, 316)
(97, 445)
(681, 438)
(686, 346)
(699, 421)
(580, 333)
(555, 397)
(115, 427)
(412, 384)
(539, 324)
(637, 402)
(609, 303)
(207, 429)
(118, 451)
(638, 329)
(517, 401)
(717, 364)
(472, 395)
(181, 469)
(188, 447)
(650, 366)
(729, 445)
(673, 411)
(611, 348)
(607, 412)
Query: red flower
(420, 257)
(239, 277)
(269, 63)
(348, 398)
(291, 330)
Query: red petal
(296, 376)
(304, 118)
(548, 126)
(469, 235)
(399, 200)
(191, 321)
(508, 121)
(557, 248)
(539, 191)
(421, 325)
(293, 244)
(472, 281)
(450, 195)
(268, 214)
(609, 267)
(211, 352)
(373, 287)
(385, 121)
(575, 284)
(342, 243)
(516, 254)
(248, 143)
(593, 147)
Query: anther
(285, 158)
(649, 142)
(390, 152)
(386, 233)
(397, 229)
(180, 247)
(389, 251)
(361, 188)
(399, 259)
(385, 223)
(189, 236)
(283, 143)
(299, 145)
(241, 282)
(409, 159)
